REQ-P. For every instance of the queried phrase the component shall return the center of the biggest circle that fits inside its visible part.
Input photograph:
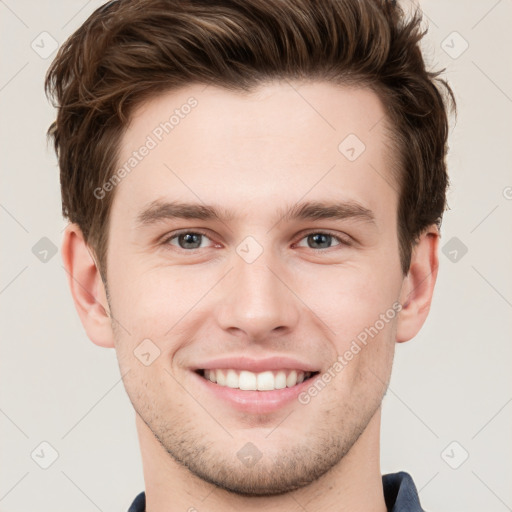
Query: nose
(256, 301)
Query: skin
(254, 154)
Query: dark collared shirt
(399, 492)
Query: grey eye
(188, 240)
(319, 240)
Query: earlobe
(418, 285)
(86, 287)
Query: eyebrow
(158, 211)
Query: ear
(418, 285)
(87, 288)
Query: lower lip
(256, 402)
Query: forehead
(283, 142)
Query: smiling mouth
(250, 381)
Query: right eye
(186, 240)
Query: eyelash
(339, 239)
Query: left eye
(323, 240)
(193, 240)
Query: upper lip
(257, 365)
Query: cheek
(361, 308)
(354, 299)
(165, 306)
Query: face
(248, 242)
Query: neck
(354, 484)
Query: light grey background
(451, 384)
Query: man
(255, 190)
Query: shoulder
(139, 503)
(400, 493)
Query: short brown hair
(129, 51)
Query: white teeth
(264, 381)
(280, 380)
(220, 377)
(232, 379)
(291, 379)
(246, 380)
